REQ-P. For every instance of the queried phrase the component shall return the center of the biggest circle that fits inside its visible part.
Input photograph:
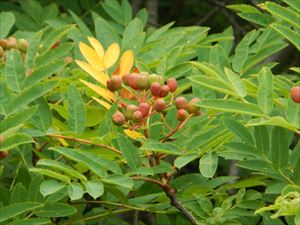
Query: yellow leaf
(111, 55)
(103, 103)
(133, 134)
(91, 56)
(99, 90)
(126, 62)
(98, 75)
(97, 46)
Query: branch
(87, 142)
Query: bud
(118, 118)
(56, 44)
(22, 45)
(1, 138)
(12, 43)
(130, 109)
(160, 105)
(142, 82)
(192, 106)
(68, 60)
(137, 116)
(3, 154)
(164, 91)
(3, 43)
(126, 78)
(144, 108)
(172, 84)
(181, 115)
(155, 89)
(28, 73)
(133, 81)
(114, 83)
(180, 103)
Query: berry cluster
(12, 43)
(149, 91)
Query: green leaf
(14, 70)
(75, 191)
(90, 160)
(29, 95)
(42, 119)
(133, 35)
(7, 21)
(239, 130)
(34, 221)
(293, 112)
(280, 147)
(56, 210)
(8, 212)
(49, 187)
(130, 152)
(288, 33)
(42, 72)
(232, 106)
(156, 146)
(120, 180)
(17, 119)
(76, 113)
(262, 139)
(236, 83)
(265, 90)
(209, 70)
(158, 32)
(62, 167)
(94, 188)
(51, 173)
(14, 141)
(214, 84)
(81, 24)
(208, 164)
(18, 194)
(274, 121)
(32, 50)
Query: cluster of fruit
(149, 90)
(12, 43)
(295, 94)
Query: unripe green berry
(180, 103)
(12, 43)
(153, 78)
(142, 82)
(155, 89)
(144, 108)
(130, 109)
(181, 115)
(118, 118)
(137, 116)
(160, 105)
(164, 91)
(295, 94)
(22, 45)
(192, 106)
(172, 84)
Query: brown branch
(87, 142)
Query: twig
(87, 142)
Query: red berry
(295, 94)
(137, 116)
(3, 43)
(133, 81)
(130, 109)
(126, 78)
(118, 118)
(180, 103)
(181, 115)
(155, 89)
(144, 108)
(192, 106)
(142, 82)
(172, 84)
(160, 105)
(164, 91)
(3, 154)
(114, 83)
